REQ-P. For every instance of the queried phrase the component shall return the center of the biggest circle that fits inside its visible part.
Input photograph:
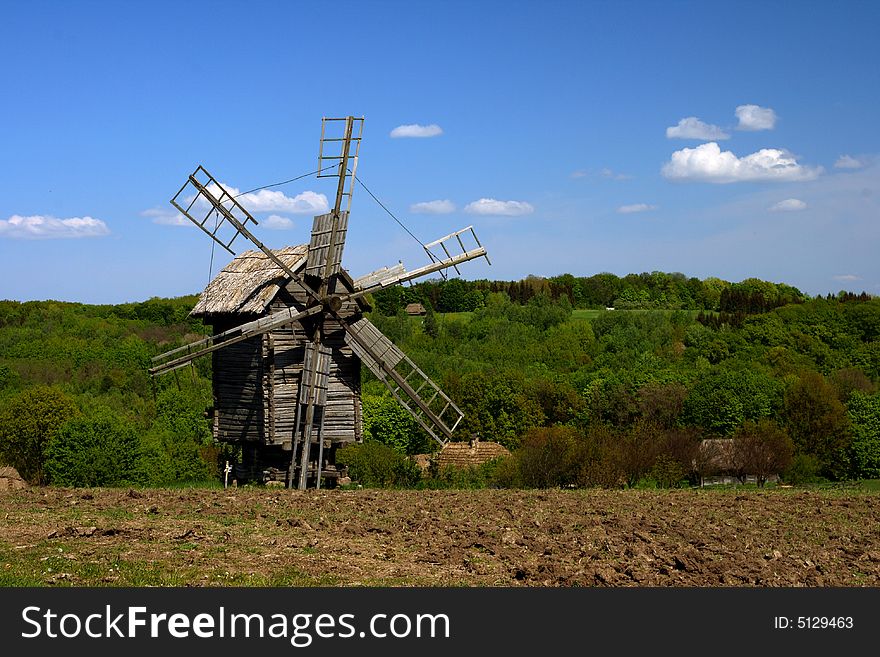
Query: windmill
(287, 382)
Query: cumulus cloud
(416, 130)
(693, 128)
(708, 163)
(45, 227)
(491, 206)
(433, 207)
(788, 205)
(755, 117)
(635, 207)
(267, 200)
(277, 222)
(849, 162)
(847, 277)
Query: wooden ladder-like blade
(435, 412)
(326, 232)
(177, 358)
(312, 402)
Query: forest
(600, 381)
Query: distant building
(415, 309)
(468, 454)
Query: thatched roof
(466, 454)
(415, 309)
(248, 283)
(10, 479)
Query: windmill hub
(332, 303)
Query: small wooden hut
(415, 309)
(256, 382)
(469, 454)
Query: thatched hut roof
(466, 454)
(10, 479)
(249, 283)
(415, 309)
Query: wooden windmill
(290, 334)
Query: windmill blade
(313, 400)
(427, 403)
(376, 277)
(328, 232)
(326, 244)
(202, 188)
(395, 275)
(188, 353)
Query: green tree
(864, 414)
(27, 422)
(721, 402)
(818, 422)
(96, 450)
(386, 422)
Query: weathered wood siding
(256, 389)
(342, 415)
(237, 383)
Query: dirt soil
(270, 537)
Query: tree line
(621, 399)
(645, 291)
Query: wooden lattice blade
(323, 260)
(422, 398)
(188, 353)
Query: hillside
(611, 398)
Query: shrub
(99, 450)
(27, 423)
(374, 464)
(804, 469)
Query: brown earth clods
(441, 538)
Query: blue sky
(714, 139)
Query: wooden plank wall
(256, 386)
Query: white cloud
(754, 117)
(708, 163)
(847, 277)
(433, 207)
(693, 128)
(276, 222)
(506, 208)
(45, 227)
(416, 130)
(635, 207)
(267, 200)
(849, 162)
(788, 205)
(166, 217)
(580, 173)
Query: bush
(27, 423)
(100, 450)
(804, 469)
(374, 464)
(172, 450)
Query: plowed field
(439, 538)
